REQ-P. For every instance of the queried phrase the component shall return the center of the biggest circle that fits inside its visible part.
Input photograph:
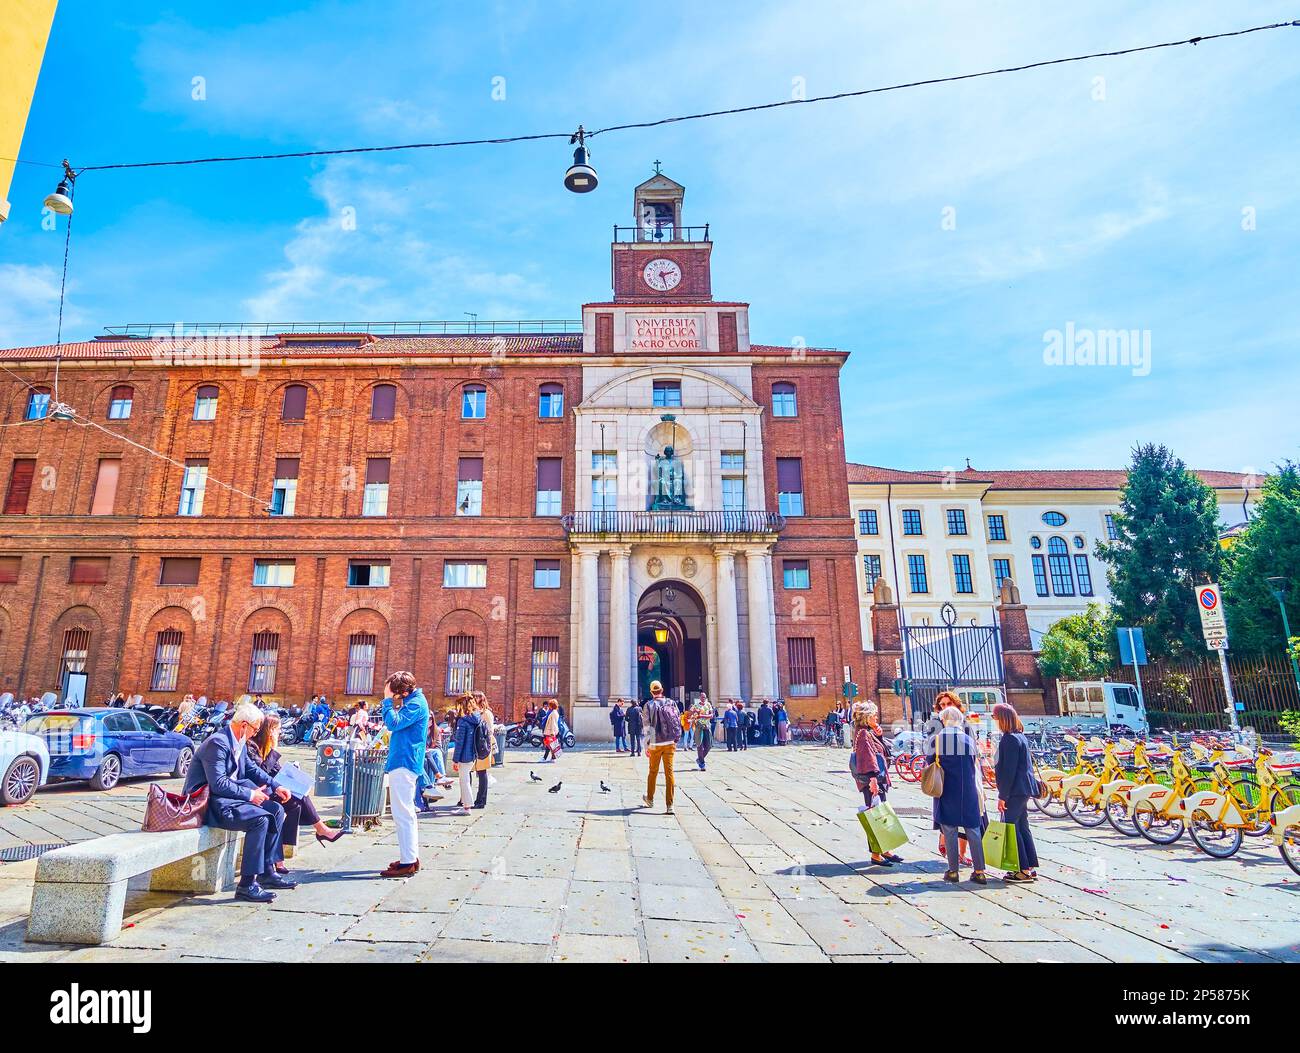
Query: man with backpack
(664, 720)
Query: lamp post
(1278, 587)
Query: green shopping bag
(1000, 849)
(872, 843)
(883, 821)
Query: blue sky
(1112, 204)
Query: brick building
(527, 509)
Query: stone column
(589, 626)
(728, 625)
(620, 623)
(762, 661)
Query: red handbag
(174, 811)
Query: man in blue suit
(240, 797)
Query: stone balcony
(748, 525)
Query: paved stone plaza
(764, 860)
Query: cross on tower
(657, 172)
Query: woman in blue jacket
(464, 754)
(1016, 784)
(961, 805)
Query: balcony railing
(678, 524)
(454, 327)
(659, 235)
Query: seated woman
(265, 745)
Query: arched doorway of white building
(671, 640)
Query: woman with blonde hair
(464, 755)
(482, 766)
(869, 768)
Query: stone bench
(80, 889)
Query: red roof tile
(1035, 478)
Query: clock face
(662, 275)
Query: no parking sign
(1209, 602)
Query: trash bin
(363, 796)
(499, 756)
(329, 769)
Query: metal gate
(937, 657)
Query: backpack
(482, 741)
(667, 721)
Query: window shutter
(377, 470)
(383, 402)
(286, 467)
(179, 570)
(9, 567)
(789, 475)
(105, 487)
(20, 486)
(469, 470)
(295, 402)
(549, 470)
(88, 570)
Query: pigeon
(555, 788)
(534, 777)
(603, 787)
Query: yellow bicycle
(1236, 805)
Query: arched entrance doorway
(670, 639)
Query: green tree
(1078, 647)
(1168, 526)
(1268, 547)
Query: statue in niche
(670, 482)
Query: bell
(61, 200)
(581, 177)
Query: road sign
(850, 690)
(1132, 646)
(1210, 603)
(1216, 643)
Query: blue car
(102, 746)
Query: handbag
(932, 778)
(872, 843)
(1000, 849)
(164, 811)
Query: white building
(952, 537)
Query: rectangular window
(1112, 531)
(469, 486)
(38, 404)
(473, 403)
(604, 461)
(911, 521)
(667, 393)
(20, 486)
(1085, 575)
(464, 574)
(194, 481)
(1040, 575)
(795, 574)
(284, 494)
(997, 528)
(545, 678)
(802, 654)
(460, 664)
(550, 471)
(119, 403)
(179, 570)
(1062, 578)
(868, 521)
(916, 574)
(9, 568)
(375, 499)
(550, 402)
(266, 656)
(789, 486)
(784, 401)
(361, 663)
(1001, 572)
(871, 570)
(294, 406)
(166, 661)
(604, 493)
(733, 494)
(88, 570)
(105, 495)
(956, 522)
(368, 573)
(205, 403)
(961, 573)
(76, 649)
(383, 402)
(546, 573)
(275, 573)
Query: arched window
(266, 656)
(167, 660)
(295, 403)
(361, 663)
(785, 401)
(473, 402)
(550, 401)
(119, 402)
(1058, 563)
(205, 402)
(383, 402)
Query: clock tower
(658, 260)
